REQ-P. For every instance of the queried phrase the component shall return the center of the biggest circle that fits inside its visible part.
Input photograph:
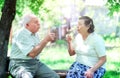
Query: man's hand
(50, 37)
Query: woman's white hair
(26, 18)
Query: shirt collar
(27, 31)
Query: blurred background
(62, 17)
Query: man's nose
(39, 26)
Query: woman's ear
(88, 26)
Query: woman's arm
(70, 48)
(100, 50)
(89, 73)
(101, 61)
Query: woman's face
(33, 25)
(81, 28)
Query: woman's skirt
(78, 70)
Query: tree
(8, 14)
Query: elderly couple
(26, 48)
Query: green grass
(56, 57)
(113, 63)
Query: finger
(53, 36)
(86, 75)
(91, 76)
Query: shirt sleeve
(24, 44)
(100, 47)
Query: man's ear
(27, 25)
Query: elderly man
(26, 47)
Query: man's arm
(38, 48)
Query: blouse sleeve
(100, 47)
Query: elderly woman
(89, 49)
(26, 48)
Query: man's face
(33, 25)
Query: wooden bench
(61, 73)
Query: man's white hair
(26, 18)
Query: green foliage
(25, 5)
(109, 37)
(35, 5)
(112, 40)
(113, 6)
(1, 3)
(20, 5)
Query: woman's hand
(68, 38)
(89, 74)
(70, 48)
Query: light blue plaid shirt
(23, 42)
